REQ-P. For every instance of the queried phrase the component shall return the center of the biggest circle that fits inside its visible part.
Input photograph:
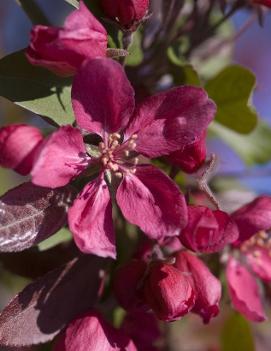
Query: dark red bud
(206, 286)
(128, 13)
(168, 292)
(192, 157)
(208, 231)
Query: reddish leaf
(45, 306)
(30, 214)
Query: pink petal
(61, 158)
(102, 96)
(244, 291)
(18, 147)
(90, 220)
(208, 231)
(259, 260)
(172, 120)
(253, 217)
(91, 332)
(151, 200)
(206, 286)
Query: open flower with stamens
(104, 104)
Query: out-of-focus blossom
(266, 3)
(244, 291)
(128, 13)
(253, 217)
(19, 144)
(103, 102)
(168, 292)
(92, 332)
(208, 231)
(62, 50)
(206, 286)
(192, 157)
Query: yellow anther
(118, 174)
(105, 160)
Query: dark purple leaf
(45, 306)
(30, 214)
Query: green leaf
(237, 334)
(135, 56)
(231, 90)
(35, 88)
(61, 236)
(254, 148)
(74, 3)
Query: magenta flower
(208, 231)
(128, 13)
(91, 332)
(168, 292)
(244, 291)
(206, 286)
(62, 50)
(19, 145)
(103, 102)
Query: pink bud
(192, 157)
(18, 147)
(168, 292)
(62, 50)
(206, 286)
(92, 332)
(128, 13)
(127, 281)
(208, 231)
(244, 291)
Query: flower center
(120, 158)
(260, 240)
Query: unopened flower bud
(128, 13)
(168, 292)
(18, 146)
(208, 231)
(206, 286)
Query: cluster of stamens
(260, 240)
(117, 156)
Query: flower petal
(91, 332)
(244, 291)
(102, 96)
(18, 147)
(259, 260)
(172, 120)
(151, 200)
(253, 217)
(90, 220)
(61, 158)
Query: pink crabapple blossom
(104, 104)
(63, 50)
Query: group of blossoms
(110, 150)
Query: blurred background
(252, 49)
